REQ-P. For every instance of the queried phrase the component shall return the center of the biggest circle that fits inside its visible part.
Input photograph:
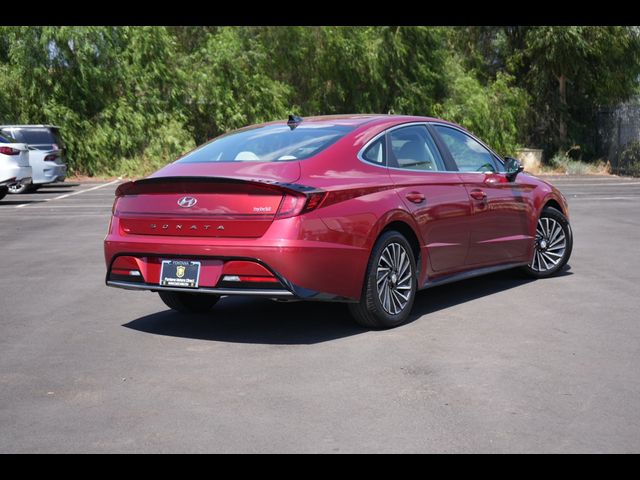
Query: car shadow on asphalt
(51, 190)
(449, 295)
(19, 202)
(255, 320)
(262, 321)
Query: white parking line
(66, 195)
(565, 185)
(628, 197)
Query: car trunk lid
(200, 206)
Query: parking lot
(493, 364)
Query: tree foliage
(569, 73)
(130, 99)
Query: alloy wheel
(551, 245)
(393, 278)
(17, 188)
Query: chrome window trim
(387, 167)
(409, 124)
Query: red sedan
(362, 209)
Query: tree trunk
(562, 126)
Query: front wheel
(185, 302)
(3, 192)
(390, 285)
(553, 244)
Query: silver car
(14, 164)
(47, 168)
(46, 154)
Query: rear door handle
(478, 195)
(416, 197)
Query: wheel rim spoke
(394, 278)
(557, 240)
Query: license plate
(180, 273)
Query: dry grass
(561, 165)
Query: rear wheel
(20, 188)
(189, 302)
(3, 192)
(554, 241)
(390, 285)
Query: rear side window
(6, 139)
(469, 155)
(270, 143)
(375, 153)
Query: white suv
(46, 154)
(14, 164)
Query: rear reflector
(231, 278)
(129, 273)
(125, 263)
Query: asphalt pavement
(493, 364)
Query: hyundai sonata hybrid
(361, 209)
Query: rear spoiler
(207, 184)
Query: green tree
(496, 112)
(228, 85)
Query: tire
(189, 302)
(3, 192)
(393, 309)
(18, 189)
(554, 242)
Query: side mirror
(512, 168)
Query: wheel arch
(408, 233)
(552, 202)
(403, 223)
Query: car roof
(29, 126)
(357, 120)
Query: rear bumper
(21, 175)
(50, 174)
(271, 293)
(307, 268)
(324, 286)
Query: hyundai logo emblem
(187, 202)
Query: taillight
(290, 206)
(51, 158)
(9, 151)
(314, 200)
(293, 205)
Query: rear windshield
(39, 136)
(270, 143)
